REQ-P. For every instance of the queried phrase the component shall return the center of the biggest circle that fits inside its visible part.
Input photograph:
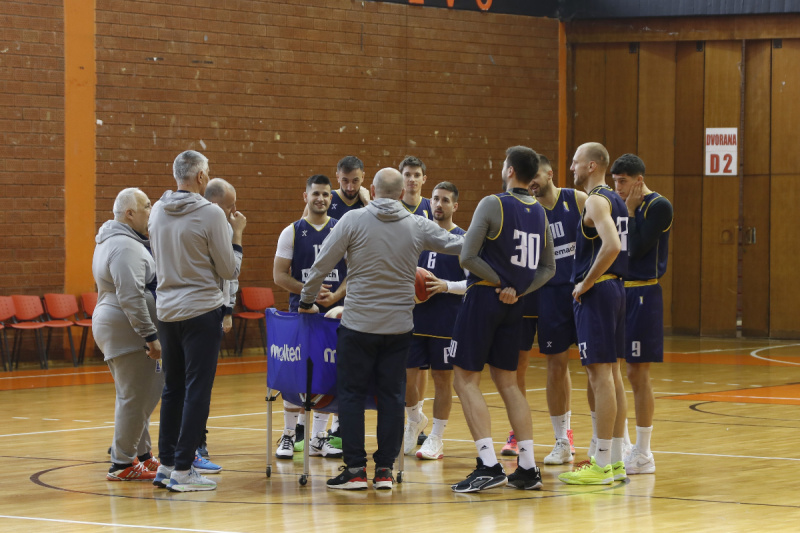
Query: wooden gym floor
(725, 443)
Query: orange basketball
(420, 285)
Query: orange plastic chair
(28, 313)
(62, 311)
(255, 301)
(89, 302)
(6, 315)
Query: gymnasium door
(733, 237)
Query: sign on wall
(532, 8)
(722, 150)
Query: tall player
(508, 253)
(298, 246)
(433, 330)
(649, 222)
(600, 311)
(350, 194)
(557, 326)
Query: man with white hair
(123, 327)
(194, 253)
(383, 242)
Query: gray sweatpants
(139, 389)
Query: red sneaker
(571, 442)
(510, 447)
(137, 472)
(152, 464)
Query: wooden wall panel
(756, 146)
(785, 191)
(719, 271)
(685, 242)
(656, 139)
(588, 87)
(622, 90)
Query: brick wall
(31, 146)
(273, 92)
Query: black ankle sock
(145, 457)
(118, 466)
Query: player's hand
(508, 295)
(335, 312)
(325, 297)
(238, 221)
(153, 349)
(312, 310)
(363, 194)
(580, 289)
(635, 197)
(227, 323)
(435, 285)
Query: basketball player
(508, 253)
(600, 311)
(298, 246)
(433, 329)
(649, 222)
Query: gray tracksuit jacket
(383, 242)
(125, 314)
(191, 243)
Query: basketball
(420, 285)
(335, 312)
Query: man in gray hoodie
(382, 242)
(123, 327)
(194, 253)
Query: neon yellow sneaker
(619, 470)
(589, 473)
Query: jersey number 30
(527, 250)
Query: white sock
(568, 415)
(603, 455)
(526, 459)
(414, 413)
(560, 426)
(616, 449)
(419, 404)
(627, 435)
(319, 424)
(643, 439)
(302, 419)
(335, 423)
(438, 427)
(289, 421)
(486, 451)
(594, 425)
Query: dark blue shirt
(588, 241)
(307, 243)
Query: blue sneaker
(162, 476)
(204, 466)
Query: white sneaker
(189, 481)
(411, 433)
(592, 447)
(319, 446)
(560, 455)
(285, 447)
(627, 449)
(639, 463)
(432, 448)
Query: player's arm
(282, 274)
(486, 222)
(598, 212)
(642, 237)
(547, 264)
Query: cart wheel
(303, 480)
(399, 477)
(269, 471)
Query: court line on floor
(754, 353)
(111, 524)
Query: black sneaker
(299, 432)
(526, 478)
(482, 478)
(349, 479)
(421, 438)
(383, 479)
(334, 434)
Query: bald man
(383, 242)
(599, 305)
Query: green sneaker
(335, 442)
(619, 470)
(299, 445)
(589, 473)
